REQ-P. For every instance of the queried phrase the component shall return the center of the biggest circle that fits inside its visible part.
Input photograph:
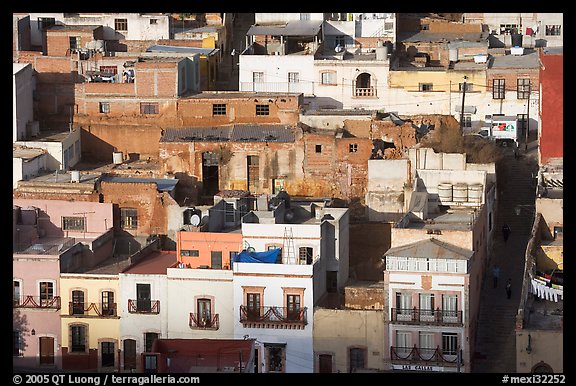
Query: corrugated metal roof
(291, 28)
(163, 184)
(431, 248)
(237, 133)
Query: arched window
(363, 86)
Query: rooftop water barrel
(74, 176)
(460, 192)
(445, 192)
(475, 193)
(117, 157)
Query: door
(107, 350)
(46, 350)
(210, 183)
(143, 301)
(253, 172)
(325, 363)
(216, 259)
(293, 302)
(77, 302)
(253, 306)
(129, 354)
(108, 306)
(204, 317)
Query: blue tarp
(257, 257)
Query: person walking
(495, 274)
(509, 288)
(505, 232)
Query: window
(328, 78)
(75, 43)
(467, 120)
(149, 338)
(279, 256)
(108, 306)
(258, 77)
(73, 224)
(204, 311)
(45, 22)
(262, 110)
(17, 343)
(109, 70)
(522, 120)
(523, 88)
(276, 354)
(558, 232)
(253, 305)
(498, 89)
(17, 292)
(357, 358)
(490, 222)
(449, 306)
(78, 338)
(507, 29)
(403, 306)
(149, 108)
(121, 24)
(230, 212)
(293, 307)
(233, 255)
(46, 292)
(129, 218)
(150, 364)
(143, 298)
(190, 252)
(403, 343)
(426, 344)
(219, 109)
(305, 255)
(553, 30)
(293, 77)
(153, 21)
(104, 107)
(468, 87)
(426, 306)
(353, 148)
(304, 16)
(424, 86)
(449, 343)
(77, 303)
(318, 148)
(340, 40)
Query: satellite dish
(195, 220)
(251, 249)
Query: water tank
(475, 193)
(517, 51)
(381, 51)
(74, 176)
(284, 196)
(445, 192)
(460, 192)
(117, 157)
(453, 54)
(195, 219)
(516, 40)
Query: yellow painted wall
(547, 346)
(440, 80)
(98, 327)
(209, 42)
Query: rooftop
(84, 28)
(156, 263)
(291, 28)
(180, 49)
(424, 36)
(527, 60)
(163, 184)
(451, 219)
(234, 133)
(26, 153)
(242, 94)
(430, 248)
(112, 266)
(46, 246)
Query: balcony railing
(143, 306)
(422, 316)
(273, 317)
(200, 321)
(37, 302)
(364, 92)
(426, 355)
(93, 309)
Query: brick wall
(511, 76)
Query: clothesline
(541, 289)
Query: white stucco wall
(56, 149)
(133, 326)
(262, 18)
(184, 285)
(299, 343)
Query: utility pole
(450, 99)
(463, 97)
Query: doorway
(46, 350)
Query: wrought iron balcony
(200, 321)
(426, 355)
(102, 310)
(273, 317)
(425, 316)
(37, 302)
(143, 306)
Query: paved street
(496, 341)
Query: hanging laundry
(529, 31)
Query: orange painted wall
(205, 243)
